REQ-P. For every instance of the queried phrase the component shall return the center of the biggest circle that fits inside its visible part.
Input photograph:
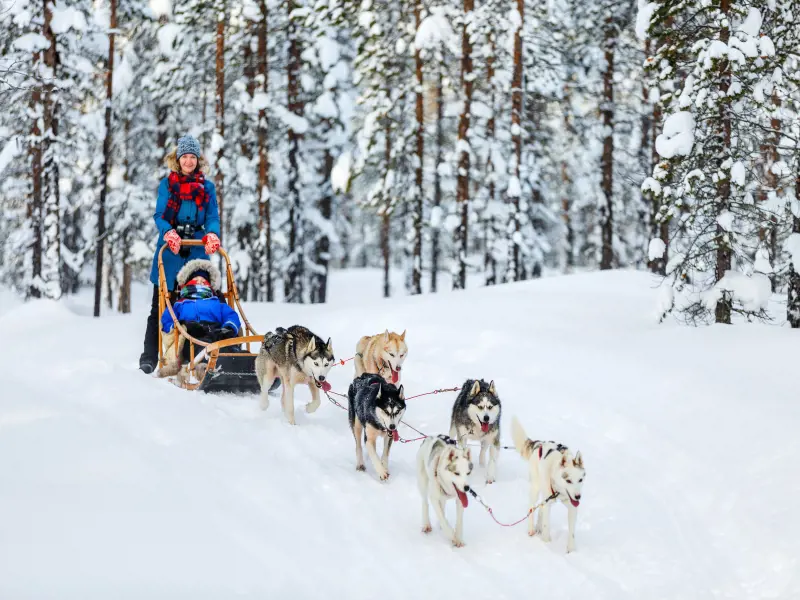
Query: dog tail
(522, 443)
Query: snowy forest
(483, 142)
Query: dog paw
(546, 538)
(311, 407)
(427, 529)
(531, 532)
(570, 548)
(384, 475)
(490, 480)
(458, 543)
(361, 468)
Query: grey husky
(291, 356)
(476, 416)
(375, 409)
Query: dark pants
(151, 333)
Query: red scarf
(182, 188)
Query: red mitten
(173, 240)
(212, 242)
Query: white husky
(442, 472)
(552, 470)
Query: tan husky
(383, 354)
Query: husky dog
(383, 354)
(476, 416)
(553, 470)
(375, 409)
(291, 356)
(443, 469)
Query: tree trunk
(320, 288)
(293, 287)
(101, 212)
(607, 160)
(417, 215)
(722, 313)
(566, 181)
(35, 208)
(386, 212)
(51, 243)
(437, 179)
(463, 149)
(265, 226)
(489, 260)
(515, 263)
(221, 9)
(793, 304)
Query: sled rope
(529, 513)
(439, 391)
(340, 362)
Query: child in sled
(201, 312)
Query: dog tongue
(484, 427)
(574, 502)
(463, 497)
(395, 435)
(326, 387)
(395, 376)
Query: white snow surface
(116, 484)
(643, 16)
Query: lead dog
(552, 470)
(443, 469)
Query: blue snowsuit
(206, 221)
(209, 310)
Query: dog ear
(401, 393)
(385, 336)
(329, 347)
(451, 456)
(311, 345)
(492, 390)
(403, 335)
(378, 395)
(468, 454)
(563, 460)
(578, 460)
(476, 388)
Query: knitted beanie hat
(188, 145)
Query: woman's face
(188, 163)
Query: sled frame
(213, 350)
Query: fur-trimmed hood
(200, 264)
(171, 160)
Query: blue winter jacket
(210, 310)
(208, 219)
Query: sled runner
(229, 369)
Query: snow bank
(752, 292)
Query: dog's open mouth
(571, 499)
(484, 427)
(395, 435)
(395, 374)
(323, 385)
(462, 497)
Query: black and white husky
(443, 469)
(553, 470)
(375, 410)
(476, 416)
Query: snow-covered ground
(118, 485)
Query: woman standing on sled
(186, 209)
